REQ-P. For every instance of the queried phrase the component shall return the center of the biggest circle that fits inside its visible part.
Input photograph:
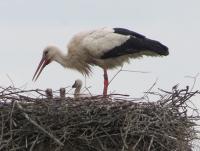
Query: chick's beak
(44, 61)
(74, 85)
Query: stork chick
(107, 48)
(77, 85)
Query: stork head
(77, 84)
(49, 54)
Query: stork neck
(61, 59)
(77, 91)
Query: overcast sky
(27, 26)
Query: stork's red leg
(105, 82)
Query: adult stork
(107, 48)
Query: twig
(149, 148)
(194, 80)
(149, 90)
(123, 70)
(38, 126)
(33, 144)
(134, 147)
(136, 71)
(115, 75)
(10, 80)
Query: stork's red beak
(44, 61)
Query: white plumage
(105, 47)
(99, 42)
(77, 92)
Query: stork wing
(124, 31)
(99, 42)
(108, 43)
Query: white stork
(77, 85)
(77, 92)
(107, 48)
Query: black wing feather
(135, 44)
(124, 31)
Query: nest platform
(97, 123)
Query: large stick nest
(115, 123)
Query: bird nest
(97, 123)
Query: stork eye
(45, 53)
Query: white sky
(26, 27)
